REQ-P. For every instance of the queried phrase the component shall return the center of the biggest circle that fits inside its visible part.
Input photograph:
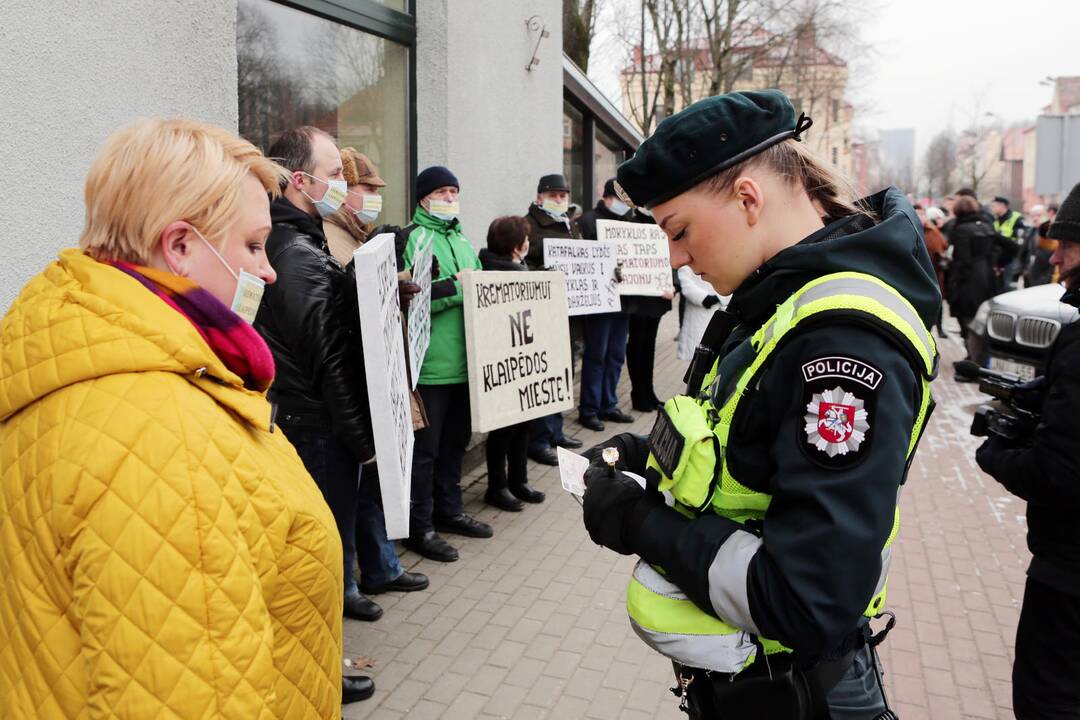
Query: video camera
(1015, 417)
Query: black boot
(503, 499)
(359, 607)
(356, 688)
(527, 493)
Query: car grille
(1036, 332)
(1000, 326)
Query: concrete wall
(479, 112)
(72, 73)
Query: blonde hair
(791, 160)
(154, 172)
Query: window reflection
(574, 153)
(297, 69)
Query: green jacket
(444, 363)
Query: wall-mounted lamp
(536, 24)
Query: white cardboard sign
(643, 254)
(589, 266)
(387, 377)
(419, 314)
(517, 338)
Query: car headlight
(978, 323)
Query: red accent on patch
(836, 422)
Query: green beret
(705, 138)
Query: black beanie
(609, 188)
(1066, 225)
(432, 179)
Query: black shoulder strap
(720, 326)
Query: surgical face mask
(556, 208)
(331, 199)
(249, 288)
(371, 208)
(645, 211)
(443, 209)
(618, 207)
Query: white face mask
(558, 209)
(249, 288)
(443, 209)
(370, 209)
(618, 207)
(331, 199)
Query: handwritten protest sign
(517, 339)
(419, 315)
(589, 267)
(387, 377)
(643, 253)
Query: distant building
(813, 78)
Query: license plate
(1023, 370)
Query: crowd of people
(250, 374)
(981, 251)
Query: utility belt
(773, 688)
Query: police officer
(1010, 224)
(785, 459)
(1045, 472)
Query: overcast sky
(934, 60)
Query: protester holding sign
(645, 313)
(444, 378)
(321, 398)
(507, 447)
(605, 335)
(548, 218)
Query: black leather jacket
(304, 318)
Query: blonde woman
(802, 410)
(163, 552)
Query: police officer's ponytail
(791, 159)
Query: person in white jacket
(701, 302)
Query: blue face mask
(331, 199)
(618, 207)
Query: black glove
(434, 267)
(407, 290)
(710, 301)
(633, 452)
(988, 453)
(615, 507)
(1030, 395)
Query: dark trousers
(640, 358)
(353, 503)
(1046, 674)
(375, 554)
(438, 452)
(605, 353)
(507, 456)
(545, 432)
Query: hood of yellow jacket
(81, 319)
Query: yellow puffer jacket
(163, 554)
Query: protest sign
(517, 339)
(387, 377)
(643, 255)
(419, 314)
(589, 267)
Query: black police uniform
(816, 569)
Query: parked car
(1013, 332)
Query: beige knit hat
(357, 168)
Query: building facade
(476, 85)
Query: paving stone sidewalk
(532, 623)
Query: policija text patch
(840, 399)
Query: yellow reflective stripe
(662, 613)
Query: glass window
(297, 69)
(607, 155)
(574, 153)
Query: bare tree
(579, 27)
(940, 163)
